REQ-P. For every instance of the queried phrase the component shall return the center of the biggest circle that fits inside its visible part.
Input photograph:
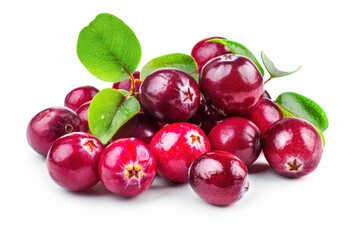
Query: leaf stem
(268, 79)
(132, 87)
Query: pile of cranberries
(204, 132)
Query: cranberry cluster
(206, 133)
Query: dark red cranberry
(83, 112)
(264, 114)
(141, 126)
(73, 161)
(50, 124)
(203, 51)
(169, 95)
(232, 84)
(206, 117)
(161, 124)
(78, 96)
(293, 147)
(238, 136)
(127, 167)
(126, 85)
(219, 177)
(176, 146)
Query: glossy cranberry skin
(72, 161)
(264, 114)
(238, 136)
(204, 51)
(232, 84)
(127, 167)
(219, 177)
(169, 95)
(293, 147)
(126, 84)
(78, 96)
(83, 113)
(50, 124)
(176, 146)
(206, 117)
(141, 126)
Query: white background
(39, 66)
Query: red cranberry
(264, 114)
(161, 124)
(169, 95)
(126, 85)
(83, 112)
(293, 147)
(176, 146)
(232, 84)
(238, 136)
(219, 177)
(205, 117)
(50, 124)
(141, 126)
(78, 96)
(203, 51)
(73, 161)
(127, 167)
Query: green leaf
(240, 49)
(175, 60)
(305, 108)
(122, 91)
(285, 112)
(108, 48)
(108, 111)
(273, 71)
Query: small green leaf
(108, 111)
(175, 60)
(122, 91)
(285, 112)
(108, 48)
(240, 49)
(303, 107)
(273, 71)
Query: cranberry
(50, 124)
(83, 112)
(78, 96)
(205, 117)
(203, 51)
(238, 136)
(161, 124)
(219, 177)
(141, 126)
(73, 161)
(232, 84)
(176, 146)
(126, 85)
(127, 167)
(169, 95)
(264, 114)
(293, 147)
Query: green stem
(268, 79)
